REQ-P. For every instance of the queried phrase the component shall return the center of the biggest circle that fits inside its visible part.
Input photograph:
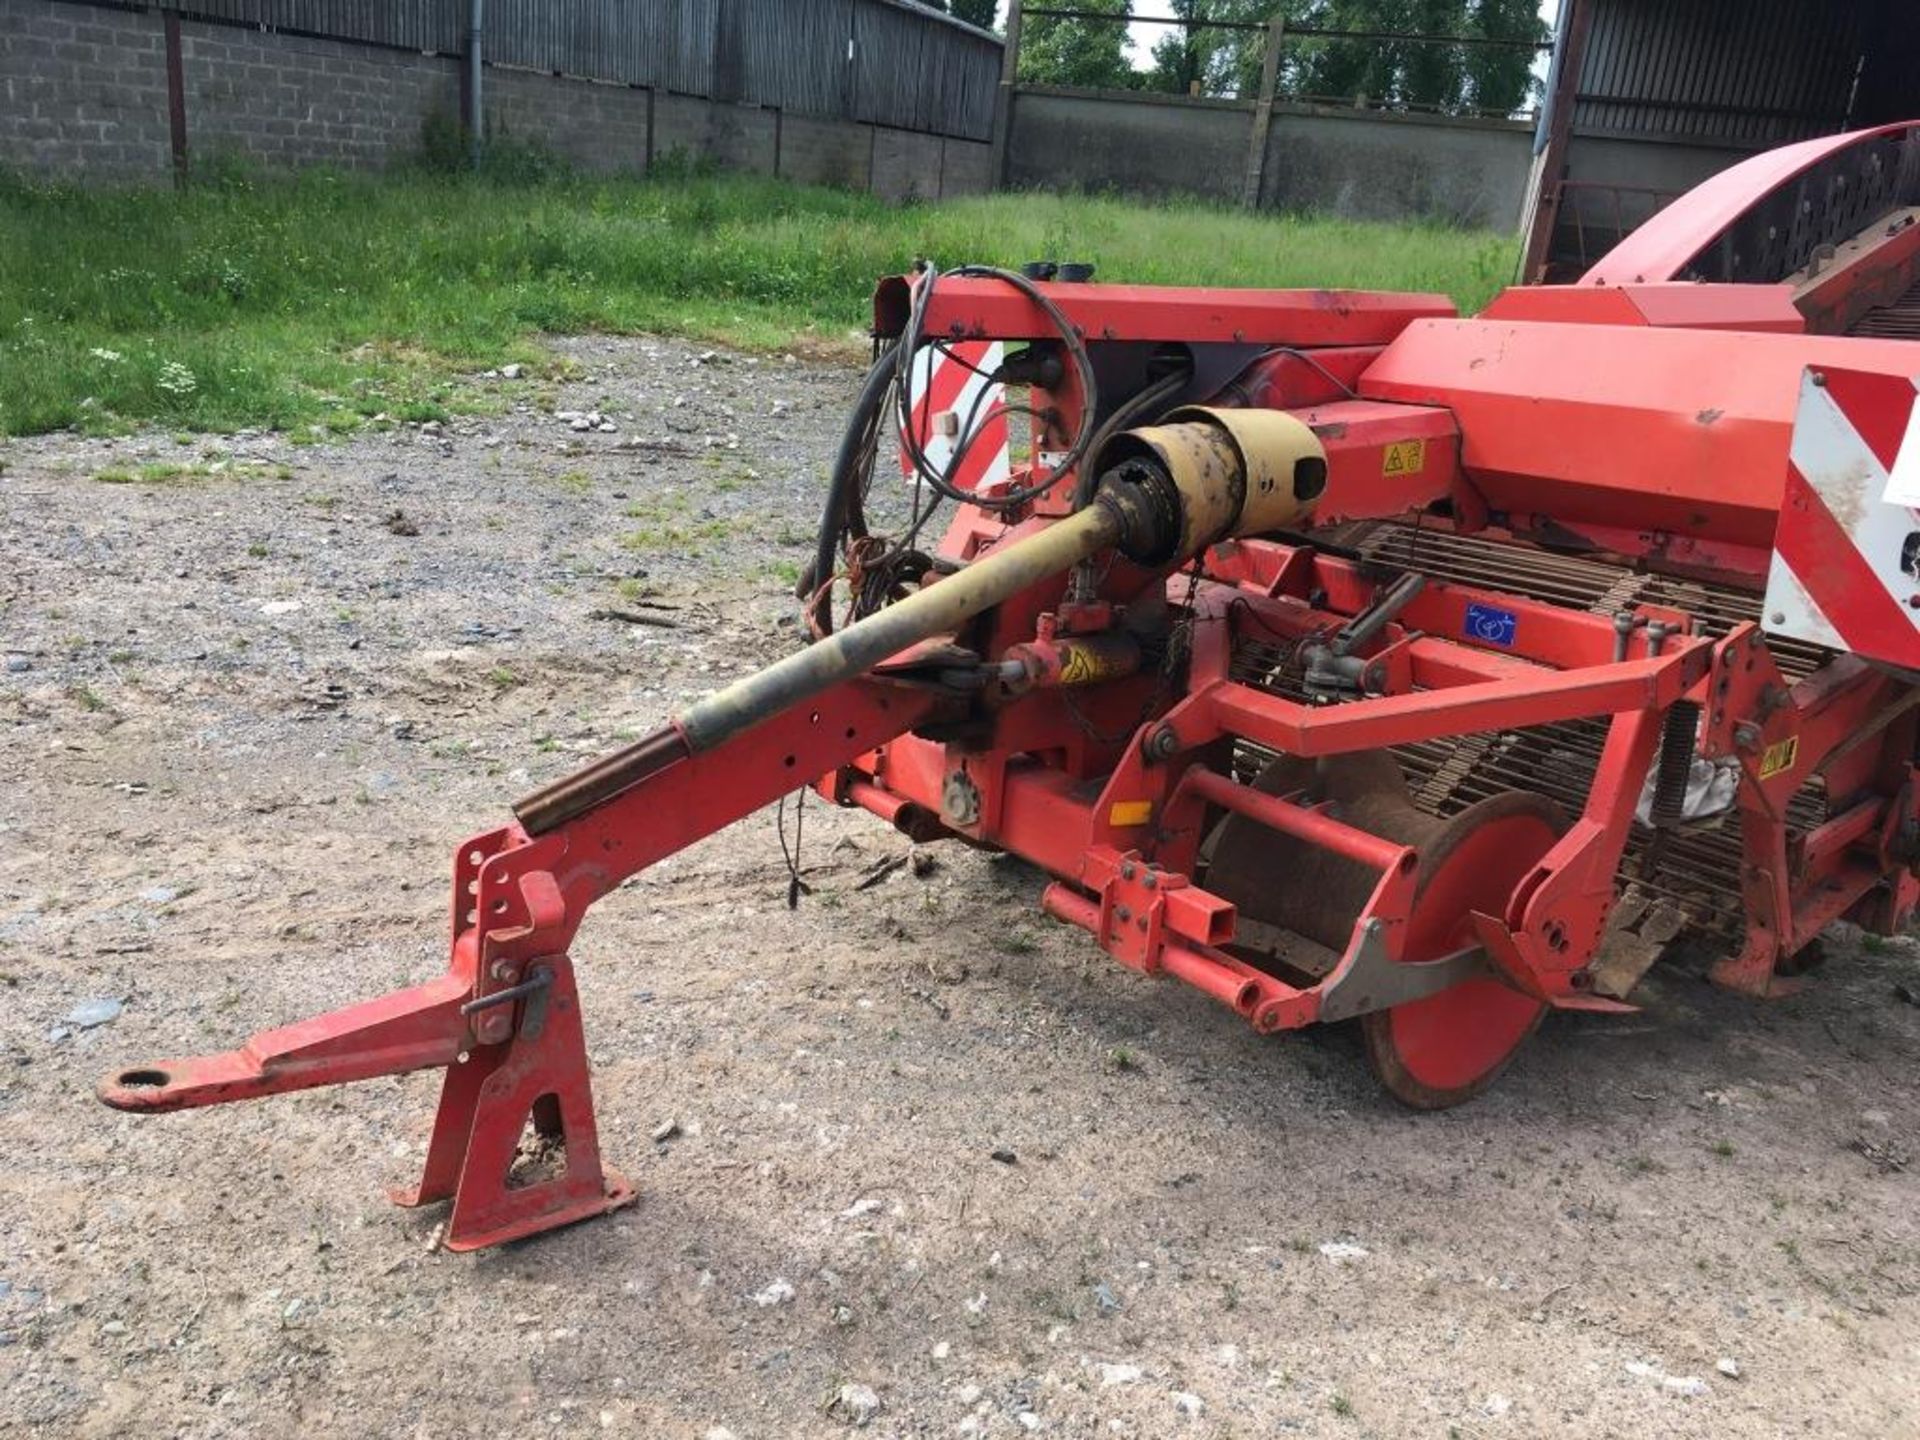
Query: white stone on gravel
(1729, 1367)
(89, 1013)
(856, 1404)
(1342, 1252)
(1689, 1386)
(1189, 1404)
(776, 1292)
(1118, 1374)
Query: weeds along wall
(93, 92)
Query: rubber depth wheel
(1447, 1048)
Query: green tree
(1088, 53)
(1223, 62)
(1424, 75)
(974, 12)
(1499, 79)
(1449, 78)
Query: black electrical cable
(884, 571)
(844, 513)
(1303, 356)
(843, 516)
(947, 353)
(910, 343)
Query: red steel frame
(1662, 248)
(1112, 789)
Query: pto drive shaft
(1175, 489)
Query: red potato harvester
(1334, 654)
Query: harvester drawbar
(1336, 655)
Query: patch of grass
(167, 472)
(331, 300)
(1014, 941)
(1722, 1148)
(687, 535)
(667, 525)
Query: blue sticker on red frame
(1490, 625)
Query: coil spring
(1675, 768)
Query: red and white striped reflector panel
(1846, 557)
(947, 389)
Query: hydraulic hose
(843, 508)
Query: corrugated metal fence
(1741, 72)
(886, 62)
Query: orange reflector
(1130, 812)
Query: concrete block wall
(284, 100)
(600, 129)
(826, 152)
(967, 169)
(83, 96)
(82, 91)
(740, 137)
(907, 166)
(1149, 145)
(1373, 166)
(1359, 163)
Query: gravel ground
(248, 710)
